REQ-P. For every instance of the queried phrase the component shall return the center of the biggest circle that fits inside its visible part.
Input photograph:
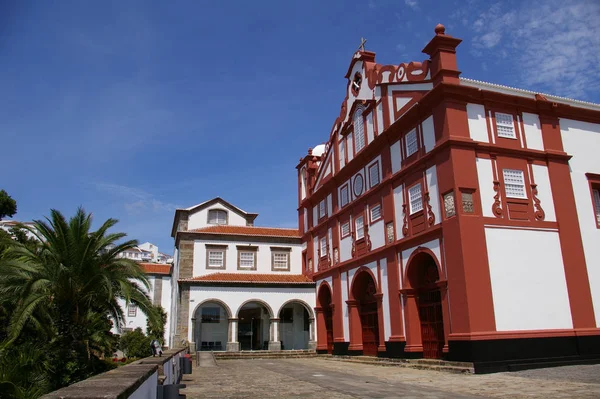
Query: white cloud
(136, 201)
(553, 47)
(411, 3)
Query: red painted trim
(521, 334)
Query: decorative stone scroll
(405, 221)
(539, 213)
(430, 214)
(496, 206)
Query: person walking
(156, 348)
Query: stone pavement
(314, 378)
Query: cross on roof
(362, 44)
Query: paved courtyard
(330, 379)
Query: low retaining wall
(137, 380)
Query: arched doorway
(253, 326)
(211, 327)
(424, 279)
(324, 300)
(294, 326)
(364, 290)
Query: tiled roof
(156, 268)
(249, 231)
(252, 278)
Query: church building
(238, 286)
(450, 218)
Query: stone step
(264, 354)
(421, 364)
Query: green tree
(8, 206)
(155, 328)
(135, 343)
(66, 289)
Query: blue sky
(133, 108)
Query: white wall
(387, 329)
(396, 157)
(485, 177)
(533, 131)
(148, 388)
(377, 234)
(529, 288)
(428, 134)
(263, 257)
(582, 141)
(345, 247)
(345, 319)
(434, 193)
(199, 219)
(542, 179)
(477, 124)
(234, 297)
(165, 302)
(398, 200)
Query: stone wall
(124, 381)
(186, 270)
(157, 291)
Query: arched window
(359, 129)
(217, 216)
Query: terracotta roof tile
(156, 268)
(249, 231)
(252, 278)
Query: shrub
(135, 344)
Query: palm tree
(75, 273)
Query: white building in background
(159, 277)
(239, 287)
(8, 225)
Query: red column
(337, 308)
(380, 329)
(321, 329)
(355, 326)
(413, 324)
(578, 284)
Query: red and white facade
(451, 218)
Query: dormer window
(217, 216)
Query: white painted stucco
(346, 320)
(434, 193)
(377, 234)
(329, 205)
(428, 134)
(165, 301)
(485, 176)
(529, 288)
(199, 219)
(582, 141)
(398, 200)
(345, 248)
(396, 157)
(379, 118)
(477, 124)
(542, 179)
(387, 328)
(349, 147)
(263, 257)
(147, 390)
(370, 127)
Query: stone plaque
(467, 203)
(389, 229)
(310, 265)
(336, 255)
(449, 206)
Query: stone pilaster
(233, 345)
(181, 334)
(312, 343)
(274, 343)
(156, 300)
(186, 259)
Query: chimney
(442, 51)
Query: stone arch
(259, 301)
(324, 286)
(366, 312)
(414, 260)
(299, 301)
(358, 272)
(215, 300)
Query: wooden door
(370, 328)
(432, 324)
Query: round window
(358, 185)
